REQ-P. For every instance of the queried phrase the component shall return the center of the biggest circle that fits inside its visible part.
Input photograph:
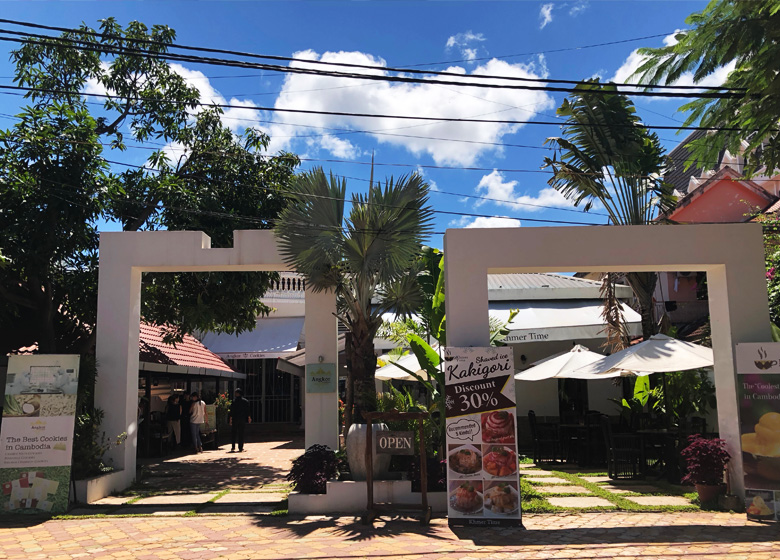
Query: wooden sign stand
(374, 508)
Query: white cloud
(624, 74)
(483, 222)
(545, 15)
(339, 147)
(431, 183)
(578, 7)
(504, 193)
(327, 93)
(466, 44)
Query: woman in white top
(198, 417)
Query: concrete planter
(356, 453)
(92, 489)
(350, 497)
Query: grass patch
(619, 499)
(218, 496)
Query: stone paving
(266, 460)
(660, 536)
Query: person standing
(198, 418)
(173, 416)
(238, 418)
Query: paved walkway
(266, 460)
(656, 536)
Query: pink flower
(770, 274)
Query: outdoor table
(662, 440)
(569, 434)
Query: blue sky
(403, 34)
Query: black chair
(623, 452)
(547, 445)
(591, 441)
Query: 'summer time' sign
(36, 437)
(395, 443)
(482, 481)
(320, 378)
(758, 390)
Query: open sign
(395, 443)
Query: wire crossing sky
(327, 71)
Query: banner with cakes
(758, 390)
(482, 480)
(36, 434)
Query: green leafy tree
(56, 184)
(365, 257)
(606, 157)
(728, 32)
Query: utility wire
(370, 115)
(679, 92)
(298, 60)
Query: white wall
(732, 255)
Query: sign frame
(483, 484)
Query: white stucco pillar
(738, 313)
(321, 415)
(468, 317)
(118, 316)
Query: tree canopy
(368, 257)
(609, 159)
(57, 185)
(747, 35)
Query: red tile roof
(188, 352)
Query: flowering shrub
(313, 469)
(706, 460)
(222, 402)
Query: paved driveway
(655, 536)
(266, 460)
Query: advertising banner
(36, 435)
(482, 480)
(758, 390)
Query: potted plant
(706, 461)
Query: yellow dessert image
(759, 507)
(765, 440)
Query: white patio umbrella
(393, 372)
(562, 365)
(657, 354)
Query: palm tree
(607, 157)
(365, 257)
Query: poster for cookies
(482, 480)
(36, 435)
(758, 391)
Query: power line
(307, 61)
(549, 51)
(371, 115)
(103, 49)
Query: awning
(189, 370)
(295, 363)
(272, 338)
(543, 321)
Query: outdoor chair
(623, 452)
(547, 445)
(590, 441)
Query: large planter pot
(356, 453)
(708, 493)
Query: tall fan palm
(366, 257)
(608, 157)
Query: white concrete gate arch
(731, 255)
(124, 256)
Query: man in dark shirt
(238, 417)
